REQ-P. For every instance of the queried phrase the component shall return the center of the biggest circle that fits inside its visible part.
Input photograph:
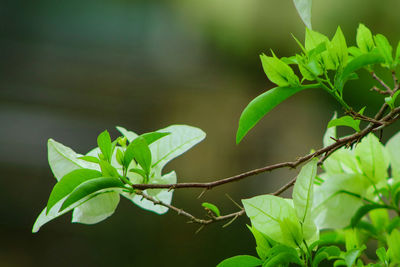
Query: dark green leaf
(68, 183)
(104, 143)
(362, 211)
(211, 207)
(90, 159)
(392, 99)
(262, 104)
(90, 187)
(241, 261)
(153, 136)
(139, 150)
(278, 72)
(282, 258)
(325, 253)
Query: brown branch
(388, 89)
(373, 126)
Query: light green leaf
(241, 261)
(139, 150)
(263, 104)
(394, 245)
(90, 187)
(96, 209)
(211, 207)
(181, 139)
(373, 158)
(279, 72)
(381, 253)
(384, 48)
(163, 195)
(304, 9)
(63, 160)
(128, 134)
(333, 209)
(329, 134)
(352, 255)
(108, 170)
(104, 143)
(342, 160)
(362, 211)
(390, 100)
(68, 183)
(314, 39)
(364, 39)
(303, 190)
(393, 148)
(266, 213)
(345, 121)
(397, 56)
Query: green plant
(332, 214)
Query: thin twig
(388, 89)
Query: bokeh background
(70, 69)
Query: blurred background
(70, 69)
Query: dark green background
(70, 69)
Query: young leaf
(304, 9)
(384, 48)
(90, 159)
(263, 104)
(108, 170)
(86, 189)
(263, 243)
(397, 56)
(68, 183)
(303, 190)
(381, 253)
(211, 207)
(364, 39)
(139, 171)
(351, 256)
(394, 245)
(128, 134)
(279, 72)
(373, 158)
(241, 261)
(315, 41)
(104, 143)
(338, 49)
(266, 212)
(345, 121)
(120, 157)
(139, 150)
(283, 258)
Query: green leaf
(104, 143)
(153, 136)
(266, 212)
(90, 187)
(352, 255)
(263, 243)
(63, 160)
(304, 9)
(139, 150)
(108, 170)
(241, 261)
(397, 56)
(211, 207)
(381, 253)
(393, 242)
(390, 100)
(380, 217)
(362, 211)
(345, 121)
(373, 158)
(263, 104)
(338, 49)
(303, 191)
(362, 61)
(68, 183)
(279, 72)
(393, 148)
(120, 157)
(364, 39)
(139, 171)
(315, 42)
(283, 258)
(384, 48)
(325, 253)
(90, 159)
(96, 209)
